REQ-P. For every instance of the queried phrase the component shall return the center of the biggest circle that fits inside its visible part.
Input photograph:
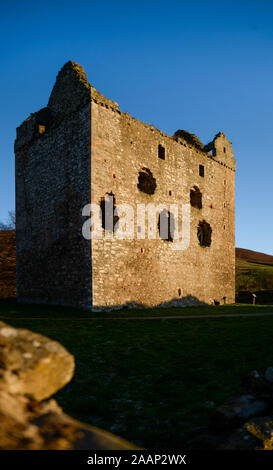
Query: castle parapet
(221, 150)
(71, 92)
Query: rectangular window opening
(41, 129)
(161, 152)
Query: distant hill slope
(253, 256)
(7, 264)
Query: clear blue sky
(202, 66)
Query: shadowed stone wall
(52, 186)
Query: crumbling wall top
(191, 139)
(71, 92)
(221, 150)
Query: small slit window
(41, 129)
(166, 225)
(108, 206)
(161, 152)
(201, 171)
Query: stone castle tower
(81, 148)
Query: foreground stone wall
(32, 368)
(244, 422)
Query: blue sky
(202, 66)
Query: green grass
(12, 310)
(149, 381)
(253, 276)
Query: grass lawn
(152, 381)
(10, 310)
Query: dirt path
(169, 317)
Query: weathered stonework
(32, 368)
(77, 150)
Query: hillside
(253, 256)
(7, 264)
(254, 271)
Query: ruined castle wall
(79, 149)
(147, 271)
(52, 186)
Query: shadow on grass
(152, 382)
(10, 308)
